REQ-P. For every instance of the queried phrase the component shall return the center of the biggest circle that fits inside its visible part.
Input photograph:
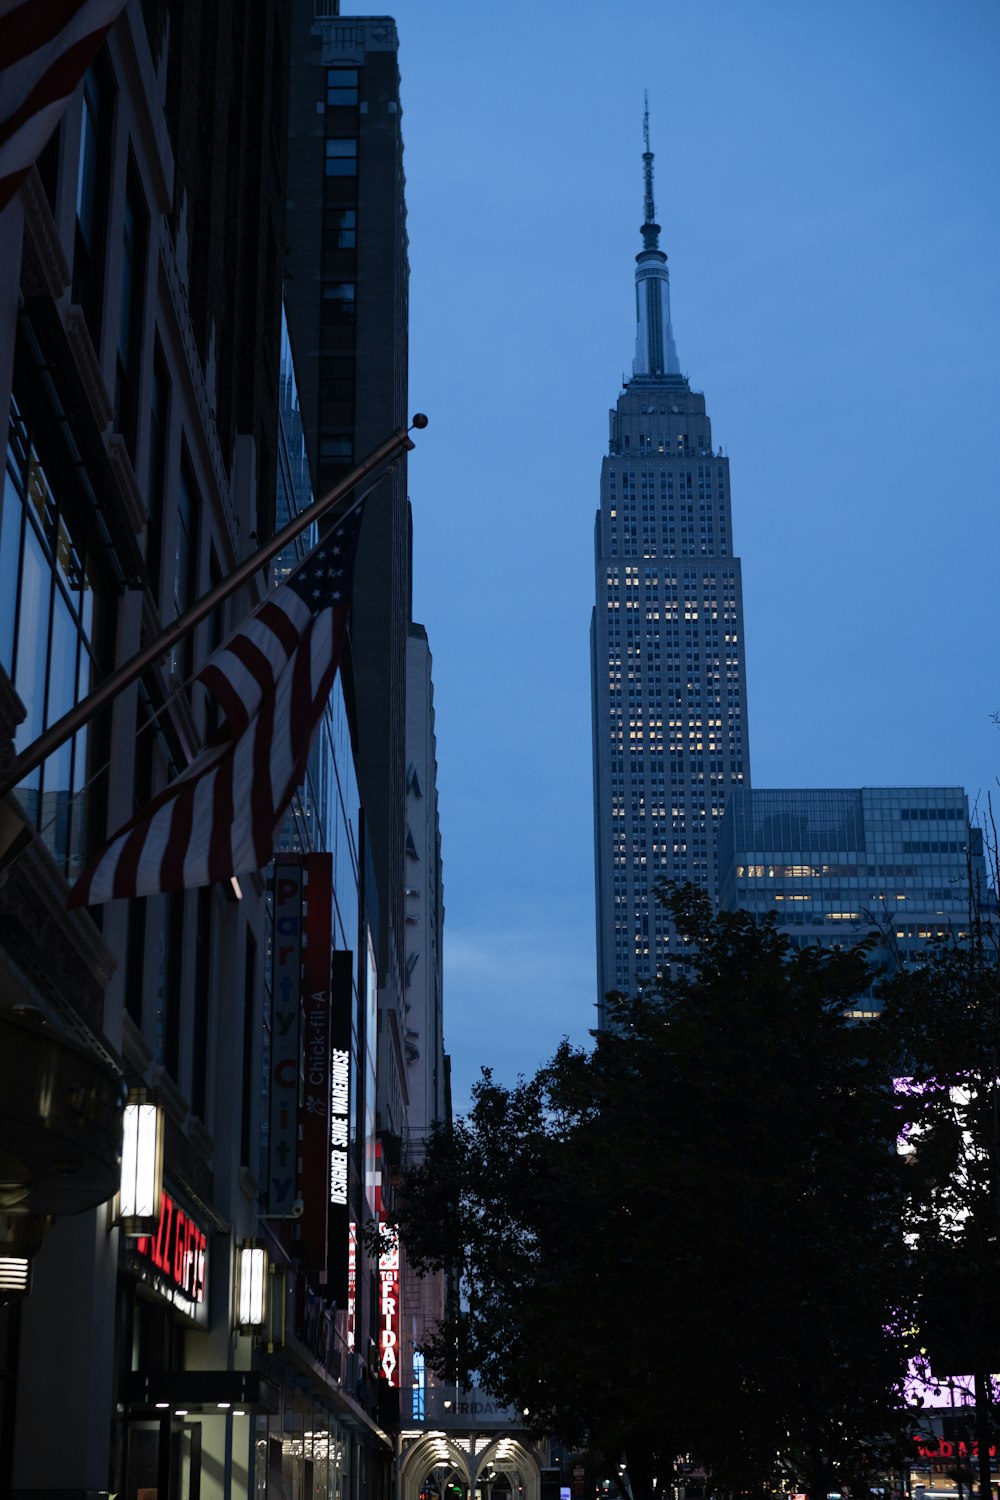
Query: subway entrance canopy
(467, 1444)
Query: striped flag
(272, 679)
(46, 46)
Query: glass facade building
(835, 865)
(668, 671)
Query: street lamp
(142, 1164)
(251, 1287)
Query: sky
(826, 179)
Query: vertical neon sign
(388, 1338)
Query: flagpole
(40, 749)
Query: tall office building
(669, 680)
(902, 865)
(346, 292)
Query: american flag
(46, 46)
(271, 679)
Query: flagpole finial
(419, 420)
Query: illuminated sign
(178, 1251)
(943, 1448)
(388, 1336)
(352, 1279)
(286, 1002)
(341, 1231)
(340, 1108)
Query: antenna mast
(647, 163)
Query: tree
(686, 1240)
(947, 1015)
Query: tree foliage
(687, 1239)
(946, 1014)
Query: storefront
(183, 1411)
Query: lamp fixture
(140, 1193)
(15, 1276)
(274, 1332)
(251, 1287)
(20, 1239)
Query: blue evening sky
(827, 182)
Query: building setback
(832, 866)
(668, 670)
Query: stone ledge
(128, 486)
(88, 366)
(49, 273)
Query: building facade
(667, 658)
(157, 434)
(833, 866)
(427, 1064)
(139, 335)
(347, 292)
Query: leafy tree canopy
(687, 1239)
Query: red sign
(943, 1448)
(388, 1336)
(352, 1272)
(388, 1286)
(178, 1250)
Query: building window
(92, 197)
(249, 1046)
(133, 275)
(343, 227)
(159, 418)
(185, 568)
(341, 87)
(341, 158)
(49, 623)
(338, 301)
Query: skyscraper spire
(655, 351)
(650, 229)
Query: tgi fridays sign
(388, 1285)
(174, 1260)
(388, 1335)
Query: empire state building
(667, 658)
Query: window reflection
(46, 636)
